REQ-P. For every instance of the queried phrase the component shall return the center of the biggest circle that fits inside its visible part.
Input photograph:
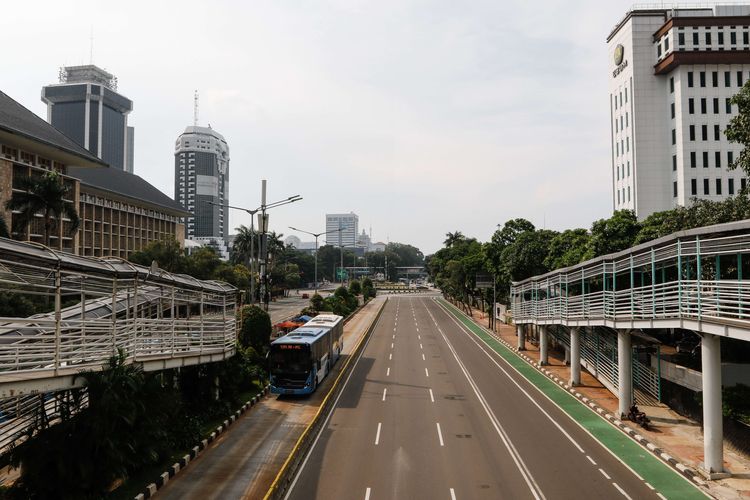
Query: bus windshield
(290, 358)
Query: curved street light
(316, 235)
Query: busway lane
(565, 460)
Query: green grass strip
(666, 480)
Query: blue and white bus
(301, 359)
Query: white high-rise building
(350, 227)
(672, 73)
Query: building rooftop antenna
(195, 109)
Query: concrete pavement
(431, 412)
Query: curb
(681, 468)
(196, 450)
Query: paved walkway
(677, 435)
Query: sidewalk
(677, 435)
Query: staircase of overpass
(696, 280)
(97, 307)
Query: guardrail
(289, 469)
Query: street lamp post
(316, 235)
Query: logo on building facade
(620, 60)
(619, 54)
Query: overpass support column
(543, 345)
(625, 371)
(713, 432)
(575, 356)
(521, 337)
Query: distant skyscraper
(201, 181)
(86, 107)
(350, 225)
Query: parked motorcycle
(639, 417)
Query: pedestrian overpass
(696, 280)
(93, 309)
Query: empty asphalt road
(432, 412)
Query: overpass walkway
(695, 280)
(95, 307)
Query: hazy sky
(422, 117)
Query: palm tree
(241, 246)
(45, 195)
(453, 238)
(275, 246)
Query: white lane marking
(650, 487)
(394, 335)
(388, 372)
(549, 417)
(661, 496)
(432, 397)
(377, 435)
(423, 358)
(536, 491)
(417, 329)
(621, 491)
(384, 391)
(419, 337)
(604, 473)
(390, 356)
(426, 372)
(453, 494)
(391, 345)
(440, 434)
(591, 460)
(367, 494)
(420, 346)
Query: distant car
(305, 296)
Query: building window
(708, 39)
(681, 38)
(739, 78)
(730, 158)
(691, 130)
(627, 144)
(733, 37)
(626, 120)
(695, 37)
(715, 78)
(702, 76)
(617, 148)
(671, 107)
(728, 105)
(628, 169)
(690, 78)
(674, 136)
(706, 187)
(717, 159)
(666, 44)
(618, 172)
(674, 189)
(671, 85)
(674, 163)
(693, 160)
(628, 193)
(705, 159)
(721, 38)
(718, 186)
(745, 38)
(626, 95)
(618, 196)
(704, 132)
(613, 95)
(703, 106)
(694, 187)
(691, 106)
(727, 79)
(716, 105)
(730, 187)
(658, 50)
(743, 184)
(717, 133)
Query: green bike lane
(666, 480)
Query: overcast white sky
(422, 117)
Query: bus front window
(290, 358)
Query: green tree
(316, 302)
(614, 234)
(738, 129)
(256, 328)
(202, 263)
(567, 249)
(4, 232)
(453, 238)
(355, 287)
(511, 230)
(408, 255)
(168, 255)
(46, 195)
(526, 256)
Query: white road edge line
(512, 451)
(661, 496)
(384, 391)
(650, 487)
(440, 434)
(621, 491)
(367, 494)
(453, 494)
(432, 397)
(377, 435)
